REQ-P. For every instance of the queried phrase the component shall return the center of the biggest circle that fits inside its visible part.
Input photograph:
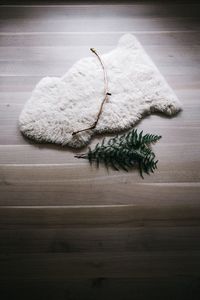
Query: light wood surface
(71, 231)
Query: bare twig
(106, 95)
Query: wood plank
(58, 68)
(12, 97)
(101, 190)
(110, 240)
(159, 53)
(140, 214)
(52, 154)
(99, 39)
(98, 288)
(59, 3)
(188, 133)
(165, 152)
(131, 10)
(34, 268)
(85, 23)
(188, 130)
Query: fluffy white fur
(59, 106)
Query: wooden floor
(68, 231)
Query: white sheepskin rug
(61, 105)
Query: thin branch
(106, 95)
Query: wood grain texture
(102, 239)
(71, 231)
(144, 214)
(59, 267)
(99, 288)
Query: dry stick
(106, 95)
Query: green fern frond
(125, 152)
